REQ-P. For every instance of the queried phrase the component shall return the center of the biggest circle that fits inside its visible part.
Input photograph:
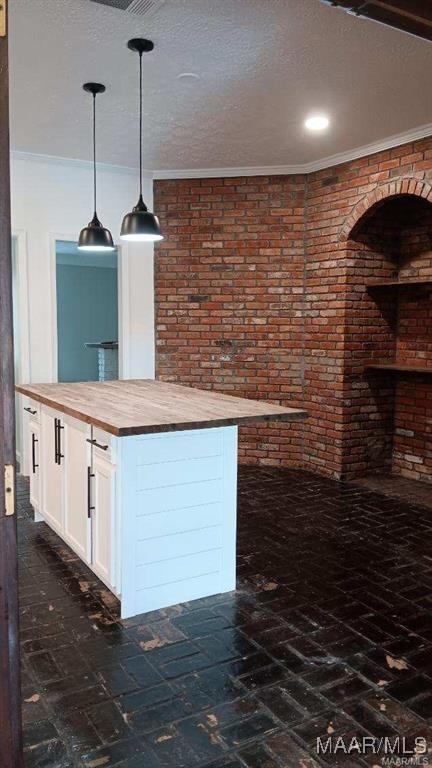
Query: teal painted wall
(86, 311)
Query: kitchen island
(140, 479)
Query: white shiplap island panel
(140, 479)
(179, 512)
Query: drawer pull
(34, 441)
(97, 445)
(30, 410)
(90, 508)
(56, 451)
(57, 441)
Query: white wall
(52, 199)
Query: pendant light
(95, 237)
(140, 225)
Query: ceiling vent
(138, 7)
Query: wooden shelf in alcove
(397, 367)
(419, 282)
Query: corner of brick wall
(253, 286)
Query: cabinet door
(33, 452)
(103, 519)
(77, 524)
(51, 469)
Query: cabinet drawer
(33, 410)
(103, 444)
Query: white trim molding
(220, 173)
(23, 371)
(20, 236)
(422, 132)
(390, 142)
(76, 163)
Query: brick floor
(329, 633)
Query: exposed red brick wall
(390, 241)
(229, 285)
(412, 452)
(260, 290)
(412, 447)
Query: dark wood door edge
(10, 694)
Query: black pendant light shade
(140, 225)
(95, 237)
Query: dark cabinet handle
(57, 441)
(34, 441)
(97, 445)
(60, 454)
(89, 504)
(30, 410)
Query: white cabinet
(77, 458)
(51, 468)
(72, 487)
(103, 519)
(33, 452)
(153, 515)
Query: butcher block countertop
(136, 407)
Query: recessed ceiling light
(188, 76)
(317, 123)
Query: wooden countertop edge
(295, 414)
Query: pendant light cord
(140, 122)
(94, 153)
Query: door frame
(20, 235)
(10, 688)
(24, 362)
(122, 303)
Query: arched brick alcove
(405, 185)
(387, 418)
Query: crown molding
(70, 162)
(390, 142)
(422, 132)
(210, 173)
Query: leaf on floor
(212, 720)
(396, 663)
(108, 598)
(32, 699)
(150, 645)
(98, 762)
(215, 738)
(106, 621)
(269, 586)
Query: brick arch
(405, 185)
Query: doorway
(87, 300)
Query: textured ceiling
(264, 65)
